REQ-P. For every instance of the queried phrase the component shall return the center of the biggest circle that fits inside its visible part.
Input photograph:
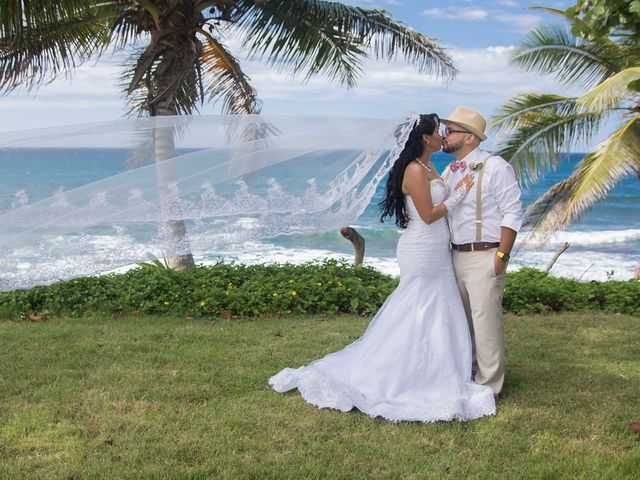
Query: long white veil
(193, 185)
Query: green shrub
(318, 288)
(247, 290)
(532, 291)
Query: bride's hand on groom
(467, 181)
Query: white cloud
(385, 90)
(519, 22)
(507, 3)
(456, 13)
(433, 12)
(473, 14)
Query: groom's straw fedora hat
(469, 119)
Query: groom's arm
(507, 239)
(507, 193)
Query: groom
(483, 229)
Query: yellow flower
(202, 303)
(230, 285)
(319, 284)
(293, 293)
(274, 294)
(290, 281)
(166, 302)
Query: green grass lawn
(143, 397)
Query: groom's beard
(449, 147)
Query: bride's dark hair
(393, 201)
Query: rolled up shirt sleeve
(506, 192)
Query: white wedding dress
(414, 360)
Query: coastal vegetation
(161, 396)
(593, 47)
(326, 288)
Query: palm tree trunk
(176, 241)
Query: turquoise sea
(604, 244)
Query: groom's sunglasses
(448, 131)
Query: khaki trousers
(482, 295)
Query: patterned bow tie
(455, 165)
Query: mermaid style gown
(414, 360)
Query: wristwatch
(504, 256)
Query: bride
(414, 360)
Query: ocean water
(604, 244)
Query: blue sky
(479, 35)
(467, 23)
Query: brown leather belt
(472, 247)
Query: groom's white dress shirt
(501, 204)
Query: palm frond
(125, 28)
(552, 49)
(511, 112)
(188, 95)
(544, 214)
(615, 158)
(137, 94)
(144, 87)
(224, 79)
(16, 16)
(553, 10)
(152, 10)
(330, 38)
(575, 22)
(39, 54)
(540, 126)
(137, 71)
(611, 92)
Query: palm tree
(541, 125)
(180, 59)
